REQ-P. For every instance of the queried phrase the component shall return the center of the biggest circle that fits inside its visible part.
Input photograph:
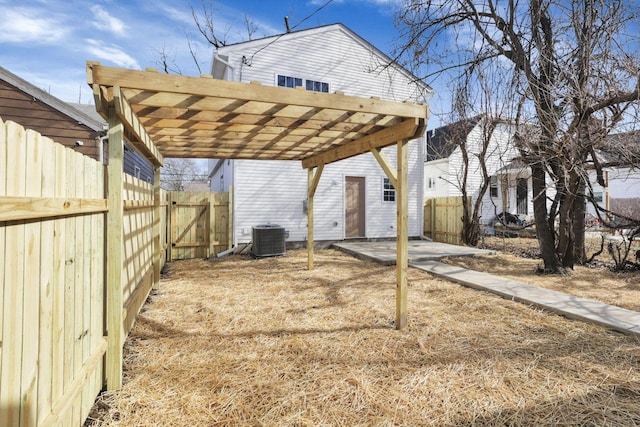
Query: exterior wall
(222, 178)
(328, 54)
(24, 109)
(436, 181)
(274, 191)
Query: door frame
(344, 206)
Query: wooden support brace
(386, 166)
(313, 180)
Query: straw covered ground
(518, 259)
(238, 341)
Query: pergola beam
(171, 83)
(134, 130)
(142, 140)
(408, 129)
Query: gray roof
(442, 141)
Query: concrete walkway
(422, 255)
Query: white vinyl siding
(274, 191)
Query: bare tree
(176, 173)
(576, 68)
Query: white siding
(223, 177)
(274, 191)
(328, 54)
(449, 172)
(436, 171)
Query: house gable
(331, 54)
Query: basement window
(388, 191)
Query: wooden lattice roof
(169, 115)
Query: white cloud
(111, 53)
(104, 21)
(26, 25)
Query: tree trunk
(544, 232)
(579, 223)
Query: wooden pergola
(164, 115)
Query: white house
(620, 161)
(444, 166)
(354, 199)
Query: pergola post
(312, 184)
(115, 256)
(157, 248)
(402, 224)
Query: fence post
(157, 250)
(115, 257)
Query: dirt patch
(265, 342)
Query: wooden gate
(199, 224)
(443, 219)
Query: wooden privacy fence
(443, 219)
(53, 294)
(199, 224)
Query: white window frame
(388, 193)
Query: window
(431, 183)
(293, 82)
(317, 86)
(286, 81)
(136, 171)
(388, 191)
(597, 196)
(493, 186)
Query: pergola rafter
(166, 115)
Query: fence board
(10, 381)
(31, 291)
(46, 304)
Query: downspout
(101, 141)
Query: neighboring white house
(620, 160)
(510, 188)
(444, 166)
(354, 199)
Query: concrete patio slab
(419, 250)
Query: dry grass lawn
(599, 284)
(238, 341)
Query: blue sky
(47, 42)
